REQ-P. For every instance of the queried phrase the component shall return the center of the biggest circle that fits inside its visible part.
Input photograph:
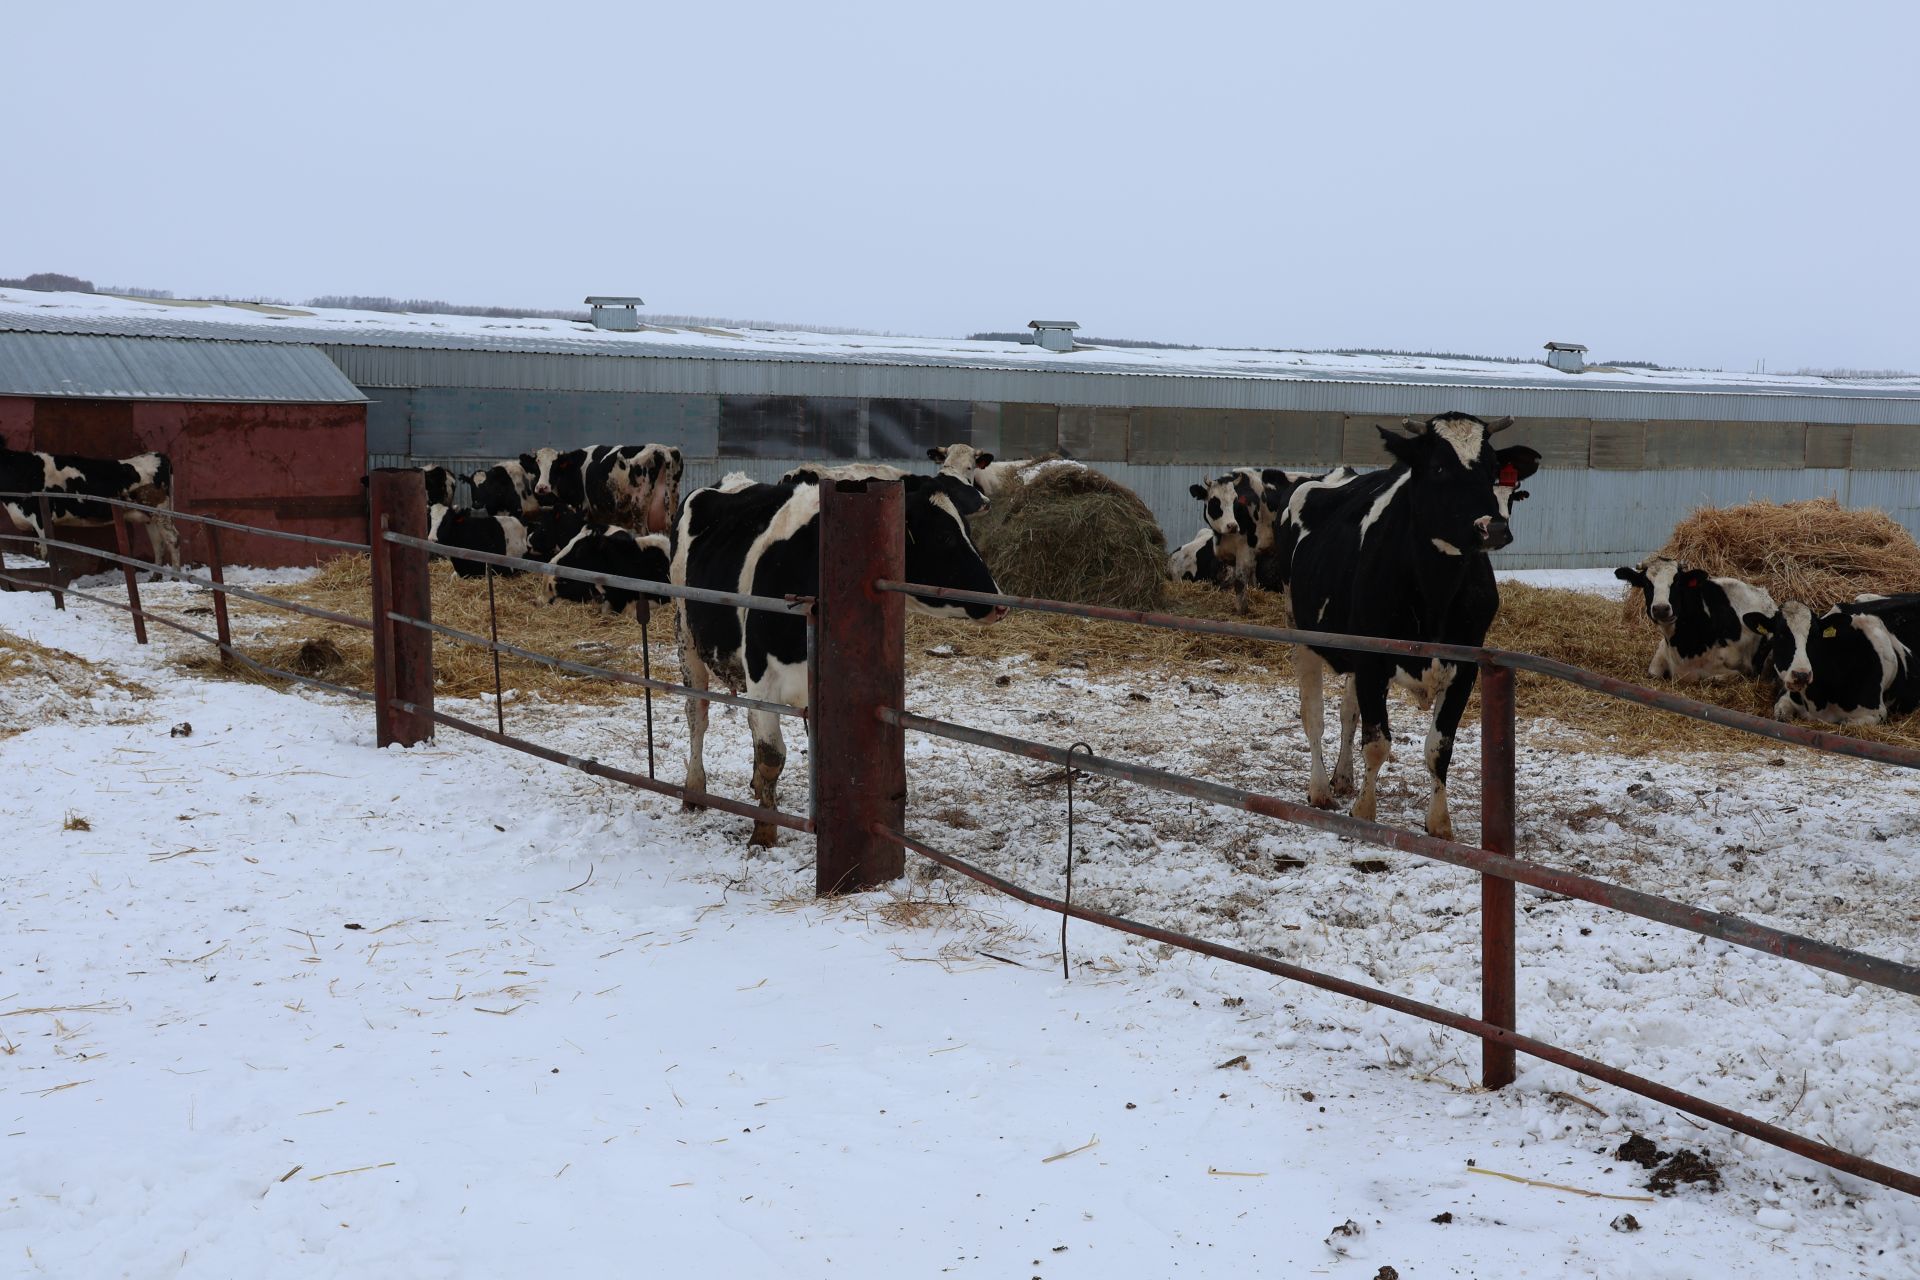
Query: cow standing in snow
(77, 483)
(1854, 664)
(764, 539)
(1703, 632)
(1400, 553)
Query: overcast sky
(1698, 184)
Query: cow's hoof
(1364, 808)
(692, 806)
(1320, 797)
(1343, 784)
(1439, 826)
(765, 836)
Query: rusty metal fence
(857, 721)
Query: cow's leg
(169, 535)
(1662, 666)
(1311, 674)
(1349, 717)
(1370, 681)
(1454, 690)
(769, 757)
(695, 673)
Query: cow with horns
(764, 540)
(76, 486)
(1400, 554)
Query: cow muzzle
(1662, 613)
(1494, 533)
(1798, 681)
(999, 614)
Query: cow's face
(1230, 505)
(1461, 488)
(939, 551)
(1659, 579)
(553, 471)
(1787, 643)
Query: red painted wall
(294, 467)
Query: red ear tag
(1509, 476)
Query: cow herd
(1400, 553)
(1853, 664)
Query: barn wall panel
(1829, 444)
(1878, 447)
(1618, 446)
(1744, 445)
(1094, 434)
(1028, 430)
(16, 422)
(293, 467)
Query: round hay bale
(1070, 533)
(1815, 551)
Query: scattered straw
(75, 822)
(1088, 1145)
(1557, 1186)
(1071, 533)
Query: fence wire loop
(1066, 903)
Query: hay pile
(1071, 533)
(1814, 551)
(41, 685)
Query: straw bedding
(1580, 629)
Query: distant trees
(48, 282)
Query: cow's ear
(1517, 461)
(479, 477)
(529, 463)
(981, 461)
(1403, 448)
(938, 453)
(1759, 623)
(1627, 573)
(1198, 490)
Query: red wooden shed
(260, 433)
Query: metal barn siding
(55, 364)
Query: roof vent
(616, 313)
(1567, 357)
(1054, 335)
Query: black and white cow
(993, 479)
(636, 486)
(1703, 633)
(1243, 508)
(1854, 664)
(551, 528)
(1199, 560)
(764, 539)
(1400, 553)
(78, 482)
(603, 548)
(506, 488)
(467, 530)
(438, 480)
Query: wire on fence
(264, 669)
(1832, 1157)
(706, 799)
(208, 584)
(1713, 924)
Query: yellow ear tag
(1830, 633)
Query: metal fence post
(133, 577)
(402, 654)
(860, 772)
(56, 571)
(216, 569)
(1497, 1002)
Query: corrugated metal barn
(1628, 452)
(270, 434)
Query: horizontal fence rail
(799, 605)
(192, 579)
(1625, 691)
(1711, 924)
(171, 514)
(1832, 1157)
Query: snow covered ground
(454, 1012)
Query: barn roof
(126, 368)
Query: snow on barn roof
(93, 366)
(101, 314)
